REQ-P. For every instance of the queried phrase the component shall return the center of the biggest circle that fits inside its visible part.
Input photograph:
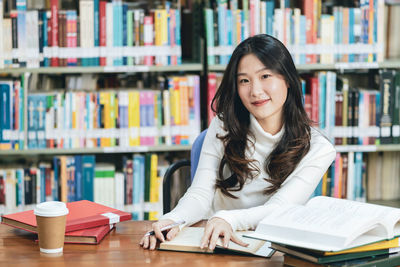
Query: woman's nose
(256, 89)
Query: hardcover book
(322, 257)
(88, 236)
(329, 224)
(375, 261)
(189, 238)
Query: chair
(192, 163)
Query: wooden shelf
(390, 64)
(395, 203)
(166, 148)
(106, 69)
(96, 150)
(367, 148)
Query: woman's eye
(265, 76)
(243, 81)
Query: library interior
(105, 101)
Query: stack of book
(87, 222)
(334, 232)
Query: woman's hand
(215, 228)
(150, 241)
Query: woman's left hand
(215, 228)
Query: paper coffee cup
(51, 218)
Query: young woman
(260, 151)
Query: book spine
(72, 34)
(209, 26)
(88, 172)
(54, 6)
(386, 89)
(211, 90)
(396, 110)
(123, 34)
(129, 34)
(148, 38)
(40, 104)
(102, 29)
(96, 29)
(22, 36)
(2, 41)
(14, 32)
(109, 32)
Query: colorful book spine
(102, 29)
(54, 7)
(148, 38)
(88, 173)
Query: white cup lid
(51, 209)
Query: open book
(189, 238)
(329, 224)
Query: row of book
(362, 177)
(359, 115)
(103, 118)
(347, 34)
(136, 188)
(346, 177)
(114, 33)
(383, 176)
(346, 114)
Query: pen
(167, 227)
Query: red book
(54, 5)
(211, 90)
(82, 214)
(88, 236)
(314, 86)
(102, 28)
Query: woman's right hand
(150, 241)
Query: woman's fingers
(214, 238)
(226, 239)
(153, 242)
(157, 232)
(238, 241)
(146, 242)
(206, 237)
(172, 233)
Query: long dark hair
(295, 141)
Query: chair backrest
(195, 152)
(192, 163)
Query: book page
(389, 217)
(256, 247)
(189, 238)
(294, 224)
(315, 219)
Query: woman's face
(262, 91)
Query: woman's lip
(260, 102)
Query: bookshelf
(98, 150)
(122, 59)
(353, 44)
(341, 66)
(185, 67)
(138, 47)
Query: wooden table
(119, 248)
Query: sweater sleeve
(196, 203)
(296, 189)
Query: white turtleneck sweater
(203, 201)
